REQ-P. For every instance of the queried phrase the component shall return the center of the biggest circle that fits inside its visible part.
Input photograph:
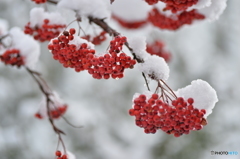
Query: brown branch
(53, 2)
(101, 23)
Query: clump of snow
(131, 10)
(213, 11)
(28, 47)
(138, 44)
(70, 155)
(205, 97)
(37, 16)
(79, 41)
(94, 8)
(155, 66)
(3, 26)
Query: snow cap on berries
(38, 15)
(205, 97)
(138, 44)
(28, 47)
(70, 155)
(155, 67)
(57, 107)
(78, 41)
(133, 10)
(213, 11)
(95, 8)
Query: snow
(28, 47)
(37, 16)
(79, 41)
(94, 8)
(3, 26)
(205, 97)
(138, 44)
(133, 10)
(70, 155)
(213, 11)
(155, 66)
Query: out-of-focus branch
(51, 1)
(45, 89)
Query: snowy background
(208, 51)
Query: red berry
(58, 153)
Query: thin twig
(146, 81)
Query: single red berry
(72, 31)
(190, 100)
(58, 153)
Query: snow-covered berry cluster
(60, 155)
(12, 57)
(53, 109)
(75, 52)
(44, 26)
(157, 48)
(164, 22)
(71, 50)
(54, 113)
(46, 32)
(166, 14)
(179, 117)
(39, 1)
(19, 49)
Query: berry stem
(169, 88)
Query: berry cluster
(175, 5)
(46, 32)
(157, 48)
(111, 64)
(59, 155)
(55, 113)
(97, 40)
(129, 25)
(178, 5)
(39, 1)
(161, 21)
(178, 118)
(12, 57)
(83, 57)
(70, 54)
